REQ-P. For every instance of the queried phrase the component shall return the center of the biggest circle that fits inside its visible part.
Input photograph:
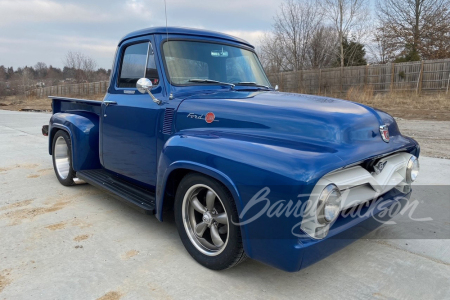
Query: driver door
(129, 118)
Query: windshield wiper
(250, 83)
(211, 81)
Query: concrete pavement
(77, 242)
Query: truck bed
(62, 104)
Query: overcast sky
(45, 30)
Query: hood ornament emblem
(384, 131)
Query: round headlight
(329, 204)
(412, 169)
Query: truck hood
(304, 122)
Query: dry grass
(403, 104)
(438, 101)
(21, 102)
(407, 105)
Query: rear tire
(204, 209)
(62, 158)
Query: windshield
(193, 63)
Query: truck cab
(191, 123)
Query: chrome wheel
(205, 219)
(62, 159)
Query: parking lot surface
(77, 242)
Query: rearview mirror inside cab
(219, 53)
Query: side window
(151, 72)
(134, 66)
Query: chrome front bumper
(358, 186)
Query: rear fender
(83, 129)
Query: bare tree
(41, 70)
(26, 78)
(379, 49)
(83, 66)
(89, 66)
(299, 39)
(294, 28)
(321, 51)
(348, 17)
(3, 73)
(419, 28)
(271, 53)
(2, 81)
(2, 89)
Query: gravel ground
(433, 136)
(77, 242)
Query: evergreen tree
(354, 54)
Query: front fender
(83, 129)
(246, 166)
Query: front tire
(62, 158)
(204, 209)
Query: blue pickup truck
(191, 125)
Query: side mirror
(145, 85)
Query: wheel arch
(175, 173)
(51, 135)
(181, 168)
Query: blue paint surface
(258, 139)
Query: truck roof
(184, 31)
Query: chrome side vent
(168, 119)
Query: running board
(131, 194)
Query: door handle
(107, 103)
